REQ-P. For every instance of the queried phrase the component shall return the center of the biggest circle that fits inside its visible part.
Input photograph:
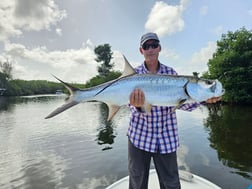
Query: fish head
(203, 89)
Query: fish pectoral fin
(178, 105)
(113, 109)
(181, 102)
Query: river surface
(78, 149)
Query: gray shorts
(139, 165)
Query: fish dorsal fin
(113, 109)
(128, 69)
(178, 105)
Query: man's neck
(152, 67)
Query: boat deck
(187, 180)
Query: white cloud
(166, 19)
(200, 59)
(197, 62)
(59, 31)
(203, 10)
(89, 43)
(71, 65)
(170, 54)
(118, 60)
(18, 16)
(39, 63)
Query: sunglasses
(148, 45)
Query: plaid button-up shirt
(156, 131)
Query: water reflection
(7, 103)
(106, 136)
(230, 134)
(106, 133)
(71, 149)
(43, 172)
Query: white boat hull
(187, 180)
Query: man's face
(150, 49)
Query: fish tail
(61, 109)
(70, 88)
(70, 102)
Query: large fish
(159, 90)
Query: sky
(45, 37)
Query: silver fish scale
(158, 89)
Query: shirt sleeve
(189, 106)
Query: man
(153, 135)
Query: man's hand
(137, 98)
(213, 100)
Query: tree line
(231, 64)
(18, 87)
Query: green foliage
(104, 55)
(232, 64)
(6, 69)
(5, 73)
(3, 80)
(229, 129)
(195, 74)
(97, 80)
(21, 87)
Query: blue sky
(44, 37)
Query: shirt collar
(147, 71)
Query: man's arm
(213, 100)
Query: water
(79, 150)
